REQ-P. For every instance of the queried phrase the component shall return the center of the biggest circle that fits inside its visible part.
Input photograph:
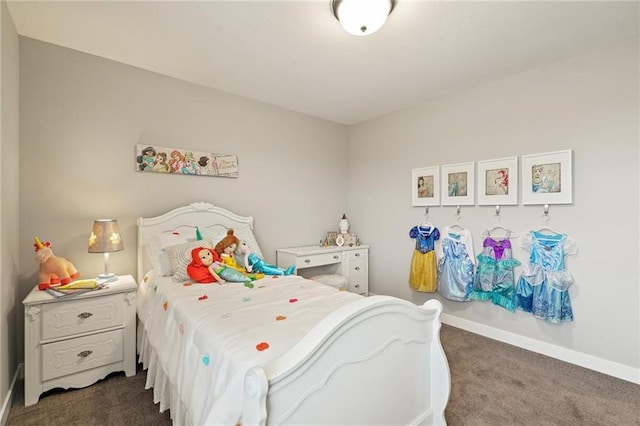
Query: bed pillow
(216, 233)
(180, 257)
(158, 245)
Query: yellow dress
(423, 275)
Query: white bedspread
(206, 336)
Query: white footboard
(376, 361)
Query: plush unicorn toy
(53, 269)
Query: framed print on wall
(498, 182)
(547, 178)
(425, 186)
(458, 184)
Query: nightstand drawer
(318, 260)
(81, 316)
(74, 355)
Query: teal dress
(494, 279)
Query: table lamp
(105, 238)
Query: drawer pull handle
(85, 354)
(357, 285)
(307, 261)
(85, 315)
(357, 268)
(357, 254)
(336, 257)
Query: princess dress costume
(422, 276)
(544, 283)
(494, 279)
(455, 265)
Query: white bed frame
(376, 361)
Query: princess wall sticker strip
(160, 159)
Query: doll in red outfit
(205, 266)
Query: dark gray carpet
(492, 384)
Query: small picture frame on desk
(349, 239)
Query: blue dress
(543, 287)
(455, 265)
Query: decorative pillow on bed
(180, 257)
(157, 249)
(217, 232)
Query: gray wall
(81, 117)
(587, 103)
(9, 304)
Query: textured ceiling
(294, 54)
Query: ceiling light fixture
(362, 17)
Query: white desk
(350, 262)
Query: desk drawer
(74, 355)
(357, 268)
(357, 285)
(318, 260)
(357, 255)
(80, 316)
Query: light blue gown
(455, 270)
(543, 287)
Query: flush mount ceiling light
(362, 17)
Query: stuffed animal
(206, 267)
(253, 263)
(53, 269)
(204, 263)
(226, 247)
(227, 244)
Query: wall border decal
(159, 159)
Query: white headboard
(205, 216)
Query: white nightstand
(350, 262)
(74, 341)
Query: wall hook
(545, 214)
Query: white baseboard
(6, 404)
(610, 368)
